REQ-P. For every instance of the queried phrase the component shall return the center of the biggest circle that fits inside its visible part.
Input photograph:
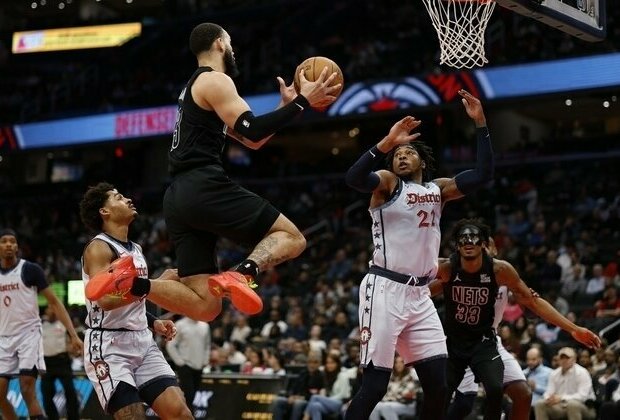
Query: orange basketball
(313, 67)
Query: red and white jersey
(405, 230)
(130, 317)
(19, 309)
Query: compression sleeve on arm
(256, 128)
(473, 179)
(361, 176)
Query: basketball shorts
(128, 356)
(202, 205)
(398, 317)
(512, 372)
(22, 353)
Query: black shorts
(204, 204)
(478, 355)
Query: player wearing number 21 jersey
(396, 313)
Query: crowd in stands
(558, 224)
(381, 40)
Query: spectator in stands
(513, 310)
(274, 361)
(568, 391)
(308, 382)
(241, 331)
(339, 267)
(316, 343)
(296, 326)
(585, 360)
(608, 308)
(190, 350)
(596, 284)
(548, 333)
(537, 374)
(335, 392)
(255, 363)
(610, 410)
(400, 396)
(275, 321)
(550, 273)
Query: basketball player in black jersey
(203, 203)
(470, 279)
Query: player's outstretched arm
(361, 175)
(471, 180)
(508, 276)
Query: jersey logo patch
(457, 278)
(485, 278)
(365, 335)
(102, 370)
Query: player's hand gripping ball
(313, 67)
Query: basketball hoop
(460, 26)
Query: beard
(230, 64)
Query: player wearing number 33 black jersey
(396, 312)
(470, 280)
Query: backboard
(585, 19)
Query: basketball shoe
(116, 280)
(238, 288)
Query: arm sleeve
(474, 179)
(256, 128)
(33, 276)
(360, 176)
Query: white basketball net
(460, 26)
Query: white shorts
(128, 356)
(397, 317)
(512, 372)
(21, 352)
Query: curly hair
(478, 223)
(94, 198)
(426, 154)
(203, 36)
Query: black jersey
(199, 135)
(470, 301)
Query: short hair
(425, 152)
(478, 223)
(202, 37)
(94, 198)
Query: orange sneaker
(116, 280)
(238, 288)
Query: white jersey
(129, 317)
(19, 309)
(501, 300)
(406, 231)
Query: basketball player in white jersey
(396, 312)
(21, 343)
(121, 359)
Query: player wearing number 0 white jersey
(21, 343)
(121, 359)
(396, 312)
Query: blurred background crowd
(554, 207)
